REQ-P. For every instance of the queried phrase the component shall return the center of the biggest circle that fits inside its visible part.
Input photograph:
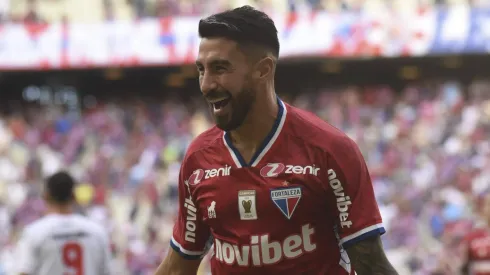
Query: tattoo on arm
(368, 258)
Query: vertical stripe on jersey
(266, 144)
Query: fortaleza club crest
(286, 199)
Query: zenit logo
(274, 169)
(196, 177)
(199, 174)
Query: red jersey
(304, 196)
(478, 253)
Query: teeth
(219, 104)
(217, 100)
(216, 108)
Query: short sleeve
(351, 195)
(26, 254)
(191, 236)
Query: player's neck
(59, 209)
(259, 122)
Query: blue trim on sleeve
(185, 256)
(375, 232)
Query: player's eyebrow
(215, 62)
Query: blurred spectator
(4, 10)
(139, 8)
(108, 10)
(32, 15)
(100, 10)
(166, 8)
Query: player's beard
(241, 104)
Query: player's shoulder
(209, 139)
(51, 223)
(204, 140)
(38, 227)
(316, 132)
(89, 226)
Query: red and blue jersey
(305, 195)
(477, 249)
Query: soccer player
(273, 188)
(476, 244)
(63, 242)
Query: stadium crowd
(40, 11)
(427, 147)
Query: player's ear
(264, 69)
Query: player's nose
(208, 83)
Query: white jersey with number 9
(64, 245)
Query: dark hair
(59, 187)
(244, 25)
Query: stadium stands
(426, 145)
(91, 11)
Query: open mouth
(220, 104)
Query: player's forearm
(174, 264)
(165, 268)
(368, 258)
(465, 269)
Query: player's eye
(200, 70)
(220, 69)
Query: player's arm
(25, 254)
(368, 257)
(190, 238)
(175, 264)
(465, 267)
(107, 254)
(352, 199)
(465, 262)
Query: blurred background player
(475, 246)
(63, 242)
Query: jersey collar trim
(266, 144)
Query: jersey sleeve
(191, 236)
(351, 195)
(26, 254)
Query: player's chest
(274, 193)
